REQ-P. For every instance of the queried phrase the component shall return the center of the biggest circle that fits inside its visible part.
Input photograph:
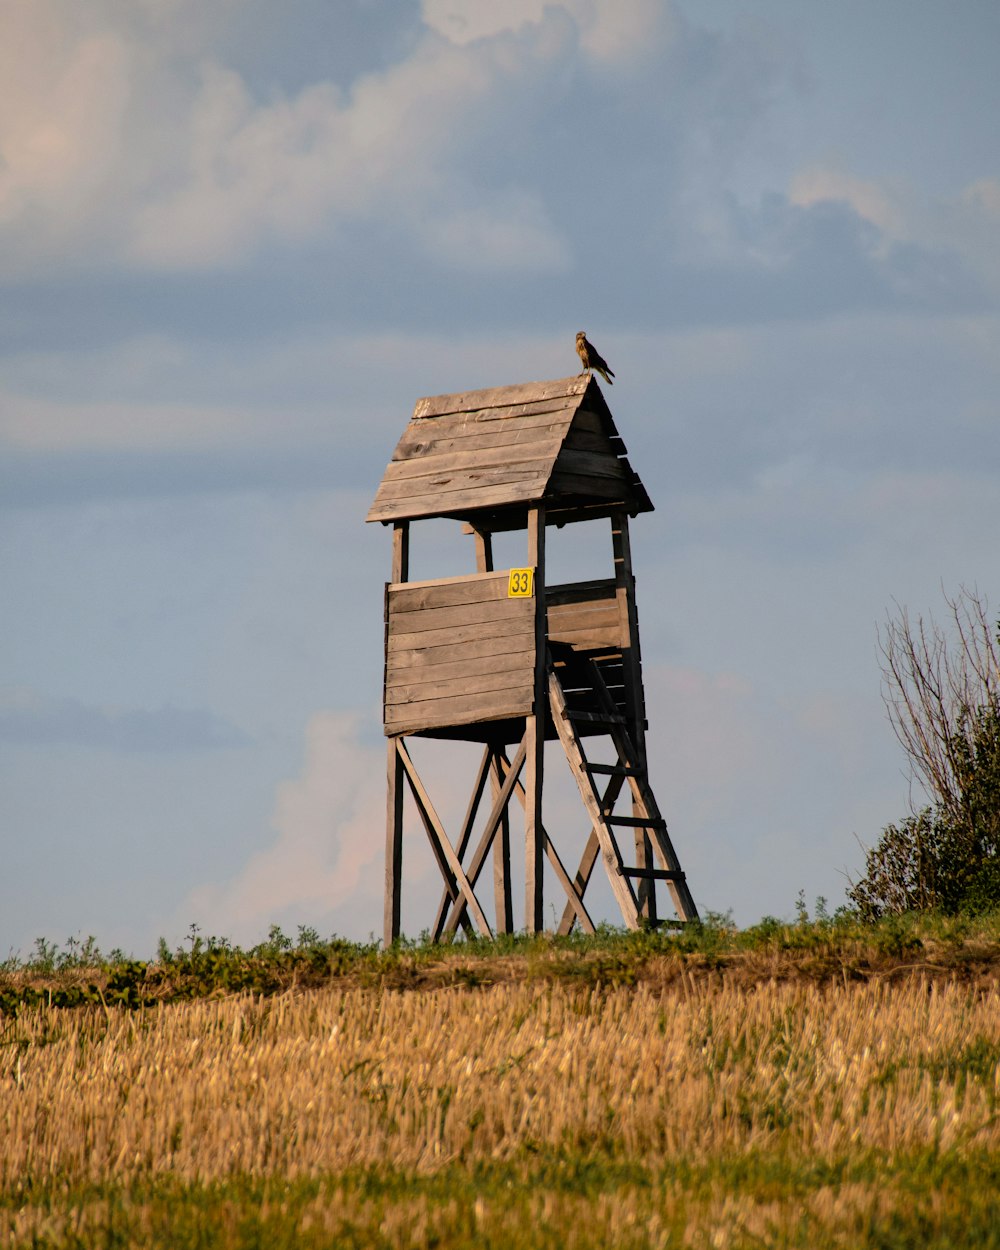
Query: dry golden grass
(310, 1083)
(695, 1108)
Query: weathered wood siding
(590, 464)
(492, 453)
(458, 652)
(585, 615)
(480, 449)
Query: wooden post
(635, 698)
(534, 842)
(502, 899)
(394, 769)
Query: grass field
(810, 1085)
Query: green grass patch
(538, 1202)
(822, 947)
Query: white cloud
(876, 201)
(330, 825)
(964, 224)
(61, 110)
(611, 31)
(299, 167)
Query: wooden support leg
(394, 774)
(535, 736)
(393, 844)
(501, 860)
(645, 888)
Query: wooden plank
(417, 622)
(459, 710)
(589, 638)
(604, 588)
(470, 461)
(466, 668)
(561, 407)
(398, 693)
(585, 634)
(449, 592)
(578, 439)
(420, 658)
(512, 628)
(589, 486)
(463, 431)
(448, 581)
(589, 422)
(459, 500)
(500, 396)
(590, 463)
(483, 436)
(581, 616)
(454, 482)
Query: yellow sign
(521, 584)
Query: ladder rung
(637, 822)
(653, 874)
(594, 718)
(613, 770)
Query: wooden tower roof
(488, 456)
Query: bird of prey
(592, 358)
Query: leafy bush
(945, 857)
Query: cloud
(330, 824)
(930, 245)
(616, 34)
(870, 199)
(32, 719)
(60, 110)
(389, 150)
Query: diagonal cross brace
(448, 896)
(440, 844)
(489, 833)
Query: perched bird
(592, 358)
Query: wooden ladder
(646, 820)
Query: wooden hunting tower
(502, 658)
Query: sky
(238, 240)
